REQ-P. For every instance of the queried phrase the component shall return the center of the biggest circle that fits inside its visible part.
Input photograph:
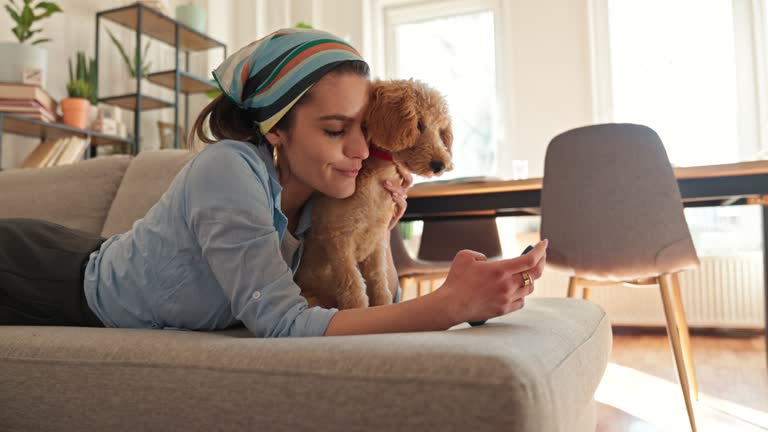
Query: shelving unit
(145, 21)
(19, 125)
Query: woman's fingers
(528, 262)
(399, 197)
(400, 206)
(395, 189)
(406, 175)
(470, 255)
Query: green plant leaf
(123, 54)
(17, 31)
(39, 41)
(71, 77)
(93, 80)
(146, 49)
(26, 17)
(49, 7)
(14, 14)
(79, 88)
(81, 66)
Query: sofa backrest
(77, 196)
(148, 177)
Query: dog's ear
(392, 118)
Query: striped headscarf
(269, 75)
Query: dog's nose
(436, 166)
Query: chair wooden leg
(585, 293)
(676, 326)
(405, 280)
(420, 288)
(573, 284)
(685, 337)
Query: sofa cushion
(77, 196)
(148, 177)
(533, 370)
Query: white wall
(550, 88)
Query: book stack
(28, 101)
(54, 152)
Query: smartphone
(479, 323)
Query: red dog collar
(381, 154)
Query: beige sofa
(533, 370)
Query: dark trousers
(42, 267)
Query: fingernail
(387, 182)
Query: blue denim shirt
(207, 255)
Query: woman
(222, 244)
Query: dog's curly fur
(345, 261)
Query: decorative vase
(19, 56)
(75, 112)
(192, 15)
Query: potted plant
(25, 61)
(132, 62)
(81, 90)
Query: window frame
(750, 18)
(379, 47)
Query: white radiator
(724, 292)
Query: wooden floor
(640, 390)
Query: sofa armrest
(77, 196)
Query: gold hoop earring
(274, 155)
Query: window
(462, 35)
(686, 68)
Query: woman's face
(325, 148)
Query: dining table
(742, 183)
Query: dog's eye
(420, 125)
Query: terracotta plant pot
(75, 112)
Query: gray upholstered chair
(440, 241)
(612, 212)
(411, 269)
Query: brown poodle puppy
(346, 261)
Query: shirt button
(256, 295)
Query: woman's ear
(275, 137)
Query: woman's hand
(477, 289)
(399, 194)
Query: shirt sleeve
(230, 213)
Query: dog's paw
(380, 298)
(352, 301)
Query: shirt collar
(305, 218)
